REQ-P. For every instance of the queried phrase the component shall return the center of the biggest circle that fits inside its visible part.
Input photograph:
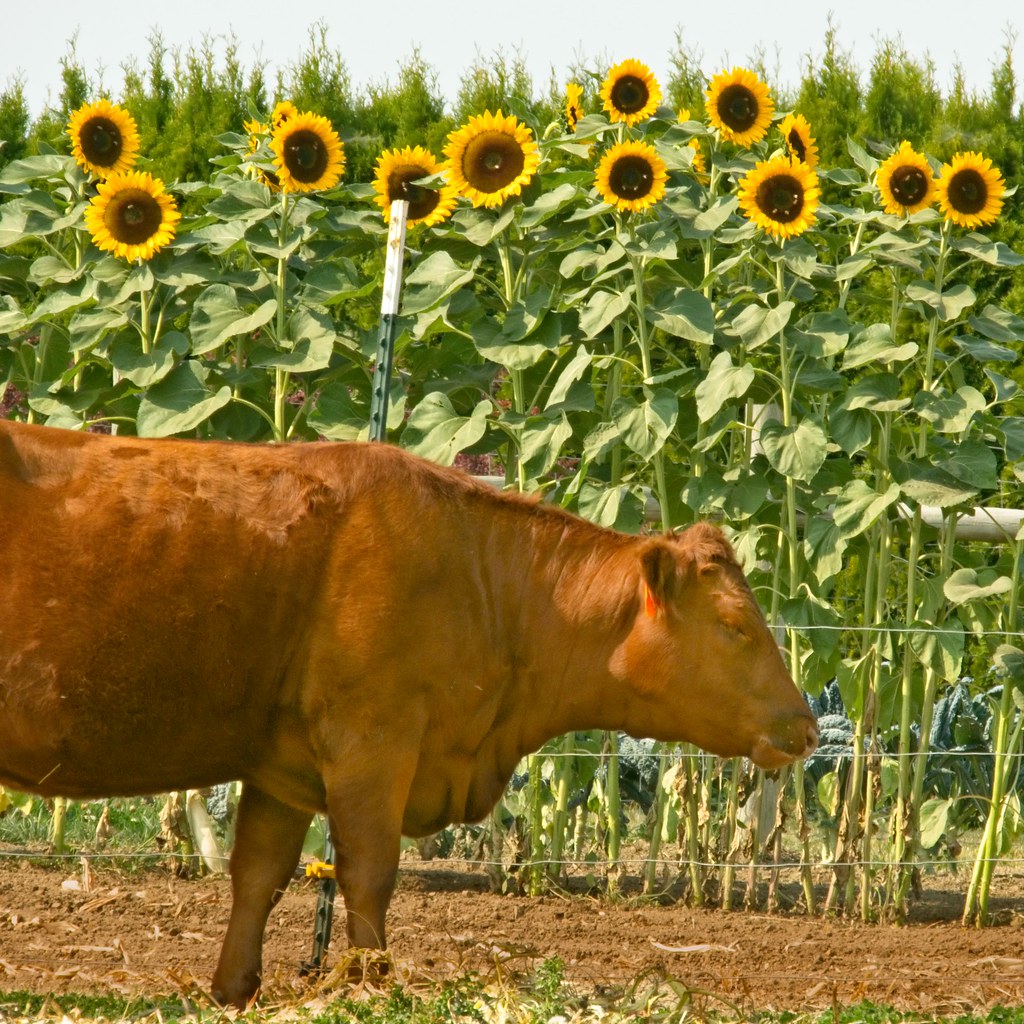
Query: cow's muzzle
(788, 741)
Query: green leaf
(879, 393)
(71, 296)
(941, 650)
(998, 325)
(179, 402)
(337, 415)
(985, 351)
(432, 281)
(684, 313)
(12, 319)
(1008, 661)
(929, 485)
(601, 440)
(436, 431)
(949, 304)
(541, 442)
(973, 463)
(875, 344)
(515, 354)
(965, 585)
(758, 324)
(828, 793)
(602, 308)
(217, 316)
(615, 507)
(708, 222)
(547, 204)
(142, 369)
(646, 426)
(824, 545)
(574, 370)
(950, 414)
(724, 383)
(934, 818)
(1012, 429)
(996, 254)
(796, 451)
(858, 505)
(308, 347)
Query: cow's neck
(579, 586)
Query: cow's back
(155, 603)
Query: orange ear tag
(651, 605)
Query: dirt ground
(148, 933)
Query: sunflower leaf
(723, 383)
(437, 432)
(179, 402)
(796, 451)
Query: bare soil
(148, 933)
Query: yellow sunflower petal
(905, 181)
(132, 216)
(491, 157)
(796, 133)
(780, 196)
(631, 176)
(104, 138)
(739, 106)
(282, 112)
(397, 170)
(970, 190)
(307, 152)
(630, 93)
(573, 105)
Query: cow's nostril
(811, 736)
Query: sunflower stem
(281, 376)
(145, 298)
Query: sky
(376, 38)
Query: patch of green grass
(542, 998)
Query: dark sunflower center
(492, 160)
(101, 141)
(305, 156)
(737, 108)
(421, 200)
(909, 185)
(629, 94)
(133, 216)
(780, 197)
(967, 191)
(796, 145)
(631, 177)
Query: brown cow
(345, 628)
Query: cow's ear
(658, 563)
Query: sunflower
(491, 157)
(282, 112)
(397, 170)
(739, 106)
(258, 132)
(630, 92)
(799, 141)
(698, 164)
(631, 176)
(905, 181)
(104, 138)
(970, 190)
(780, 195)
(573, 105)
(131, 215)
(308, 154)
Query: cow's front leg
(268, 843)
(366, 828)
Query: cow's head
(701, 661)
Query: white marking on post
(395, 257)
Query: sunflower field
(650, 312)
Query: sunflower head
(573, 105)
(491, 157)
(631, 176)
(283, 110)
(258, 133)
(397, 171)
(739, 106)
(104, 138)
(780, 196)
(132, 216)
(308, 154)
(905, 181)
(630, 92)
(796, 133)
(970, 190)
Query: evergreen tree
(14, 122)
